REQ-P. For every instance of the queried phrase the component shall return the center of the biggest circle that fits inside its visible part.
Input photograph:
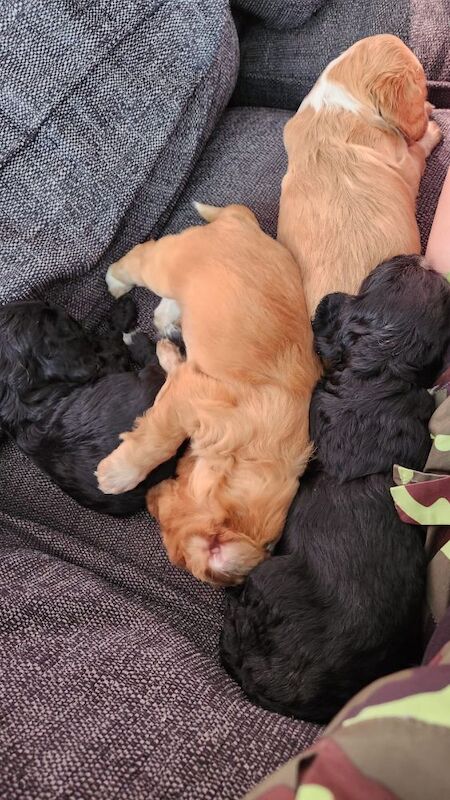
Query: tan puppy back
(242, 396)
(243, 306)
(356, 152)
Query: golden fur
(355, 159)
(242, 396)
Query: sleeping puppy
(242, 395)
(65, 395)
(340, 603)
(356, 152)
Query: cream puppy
(356, 152)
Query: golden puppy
(356, 150)
(242, 395)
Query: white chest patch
(326, 94)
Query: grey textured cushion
(278, 68)
(280, 14)
(249, 171)
(104, 107)
(111, 685)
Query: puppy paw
(431, 137)
(429, 107)
(116, 287)
(168, 354)
(166, 318)
(434, 132)
(117, 474)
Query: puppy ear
(326, 327)
(399, 96)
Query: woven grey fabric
(429, 36)
(281, 14)
(278, 68)
(104, 107)
(111, 684)
(110, 681)
(244, 163)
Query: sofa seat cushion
(244, 163)
(280, 14)
(98, 100)
(279, 67)
(111, 681)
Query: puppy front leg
(418, 153)
(156, 437)
(430, 139)
(422, 149)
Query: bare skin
(438, 249)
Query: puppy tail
(211, 213)
(206, 212)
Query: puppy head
(413, 303)
(221, 556)
(40, 344)
(399, 323)
(394, 83)
(195, 540)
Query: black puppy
(65, 395)
(339, 604)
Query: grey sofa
(114, 115)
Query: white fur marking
(207, 212)
(198, 207)
(128, 337)
(325, 93)
(167, 317)
(117, 288)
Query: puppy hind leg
(151, 264)
(431, 138)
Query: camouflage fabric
(423, 498)
(392, 740)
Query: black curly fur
(66, 395)
(339, 604)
